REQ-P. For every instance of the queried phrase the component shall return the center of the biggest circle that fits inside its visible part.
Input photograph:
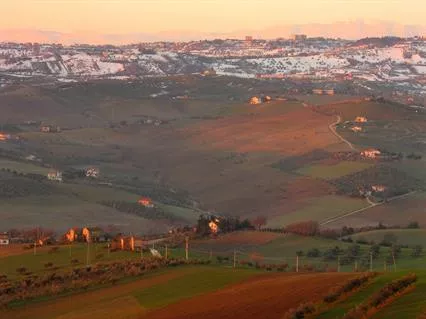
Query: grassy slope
(23, 167)
(410, 237)
(201, 281)
(154, 290)
(36, 263)
(407, 306)
(333, 171)
(339, 309)
(318, 209)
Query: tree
(389, 239)
(314, 252)
(259, 221)
(413, 225)
(417, 251)
(308, 228)
(375, 250)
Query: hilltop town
(373, 64)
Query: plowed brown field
(293, 133)
(264, 298)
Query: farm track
(334, 219)
(332, 128)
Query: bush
(303, 310)
(381, 297)
(348, 287)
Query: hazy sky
(124, 16)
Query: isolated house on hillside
(317, 91)
(378, 188)
(255, 100)
(131, 243)
(92, 172)
(50, 129)
(146, 202)
(4, 239)
(371, 153)
(361, 119)
(356, 129)
(72, 235)
(92, 234)
(55, 176)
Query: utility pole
(109, 249)
(88, 253)
(338, 263)
(297, 263)
(35, 248)
(371, 261)
(394, 261)
(167, 252)
(235, 258)
(356, 265)
(186, 247)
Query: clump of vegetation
(301, 311)
(382, 297)
(396, 182)
(308, 228)
(347, 287)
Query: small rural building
(72, 235)
(50, 129)
(146, 202)
(92, 172)
(317, 91)
(55, 176)
(328, 92)
(371, 153)
(255, 100)
(4, 239)
(4, 137)
(131, 243)
(299, 37)
(378, 188)
(92, 234)
(361, 119)
(356, 129)
(209, 72)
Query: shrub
(381, 297)
(301, 311)
(48, 265)
(347, 287)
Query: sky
(198, 16)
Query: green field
(190, 285)
(407, 306)
(23, 167)
(61, 259)
(333, 171)
(319, 209)
(409, 237)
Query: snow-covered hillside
(404, 61)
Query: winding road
(332, 128)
